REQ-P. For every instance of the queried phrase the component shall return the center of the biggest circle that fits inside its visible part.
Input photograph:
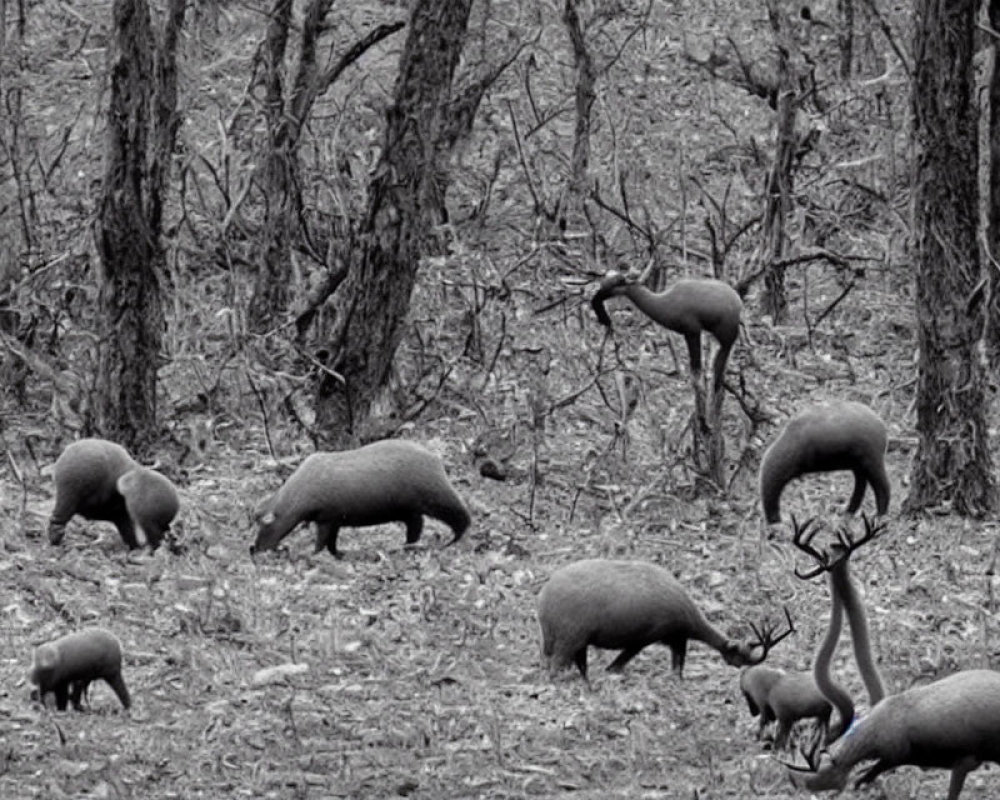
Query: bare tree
(778, 191)
(952, 464)
(786, 88)
(992, 336)
(16, 230)
(405, 201)
(142, 126)
(279, 177)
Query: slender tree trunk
(405, 202)
(142, 123)
(992, 266)
(778, 202)
(952, 464)
(19, 238)
(845, 36)
(585, 96)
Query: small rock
(278, 674)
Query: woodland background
(416, 672)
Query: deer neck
(832, 690)
(657, 306)
(843, 586)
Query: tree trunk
(845, 37)
(952, 464)
(142, 123)
(19, 239)
(279, 177)
(405, 201)
(276, 181)
(585, 96)
(992, 336)
(778, 201)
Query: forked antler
(802, 536)
(812, 756)
(766, 638)
(826, 560)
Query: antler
(846, 544)
(812, 757)
(802, 536)
(872, 529)
(766, 638)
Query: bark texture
(406, 199)
(778, 202)
(952, 465)
(142, 124)
(992, 266)
(279, 181)
(586, 77)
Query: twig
(524, 161)
(833, 305)
(263, 413)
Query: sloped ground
(419, 671)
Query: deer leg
(624, 657)
(823, 728)
(126, 528)
(781, 737)
(958, 773)
(719, 369)
(860, 483)
(414, 527)
(62, 695)
(678, 651)
(118, 685)
(78, 693)
(694, 353)
(870, 774)
(326, 536)
(880, 485)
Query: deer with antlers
(627, 606)
(952, 723)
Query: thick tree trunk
(142, 124)
(952, 464)
(405, 201)
(276, 181)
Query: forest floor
(416, 672)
